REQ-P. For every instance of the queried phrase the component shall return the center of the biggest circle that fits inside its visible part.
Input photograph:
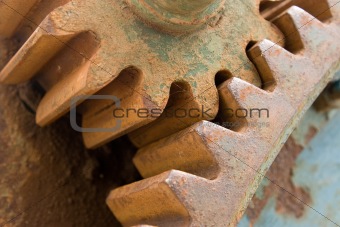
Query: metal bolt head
(184, 7)
(177, 16)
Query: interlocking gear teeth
(129, 81)
(318, 8)
(298, 27)
(198, 161)
(181, 98)
(236, 94)
(72, 75)
(124, 42)
(244, 156)
(214, 188)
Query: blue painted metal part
(318, 171)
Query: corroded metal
(94, 46)
(317, 8)
(205, 174)
(178, 16)
(309, 153)
(218, 170)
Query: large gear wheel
(130, 60)
(166, 55)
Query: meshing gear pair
(178, 54)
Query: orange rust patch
(311, 134)
(281, 173)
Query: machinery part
(213, 183)
(312, 141)
(318, 8)
(130, 60)
(178, 16)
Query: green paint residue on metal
(196, 70)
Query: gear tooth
(56, 101)
(182, 110)
(334, 7)
(301, 18)
(237, 99)
(190, 190)
(226, 187)
(221, 168)
(243, 93)
(267, 56)
(25, 23)
(12, 13)
(320, 9)
(68, 75)
(112, 116)
(20, 19)
(300, 29)
(261, 48)
(143, 202)
(175, 152)
(33, 56)
(272, 63)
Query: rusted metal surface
(205, 174)
(315, 172)
(93, 45)
(235, 161)
(178, 16)
(283, 171)
(318, 8)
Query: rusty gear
(154, 54)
